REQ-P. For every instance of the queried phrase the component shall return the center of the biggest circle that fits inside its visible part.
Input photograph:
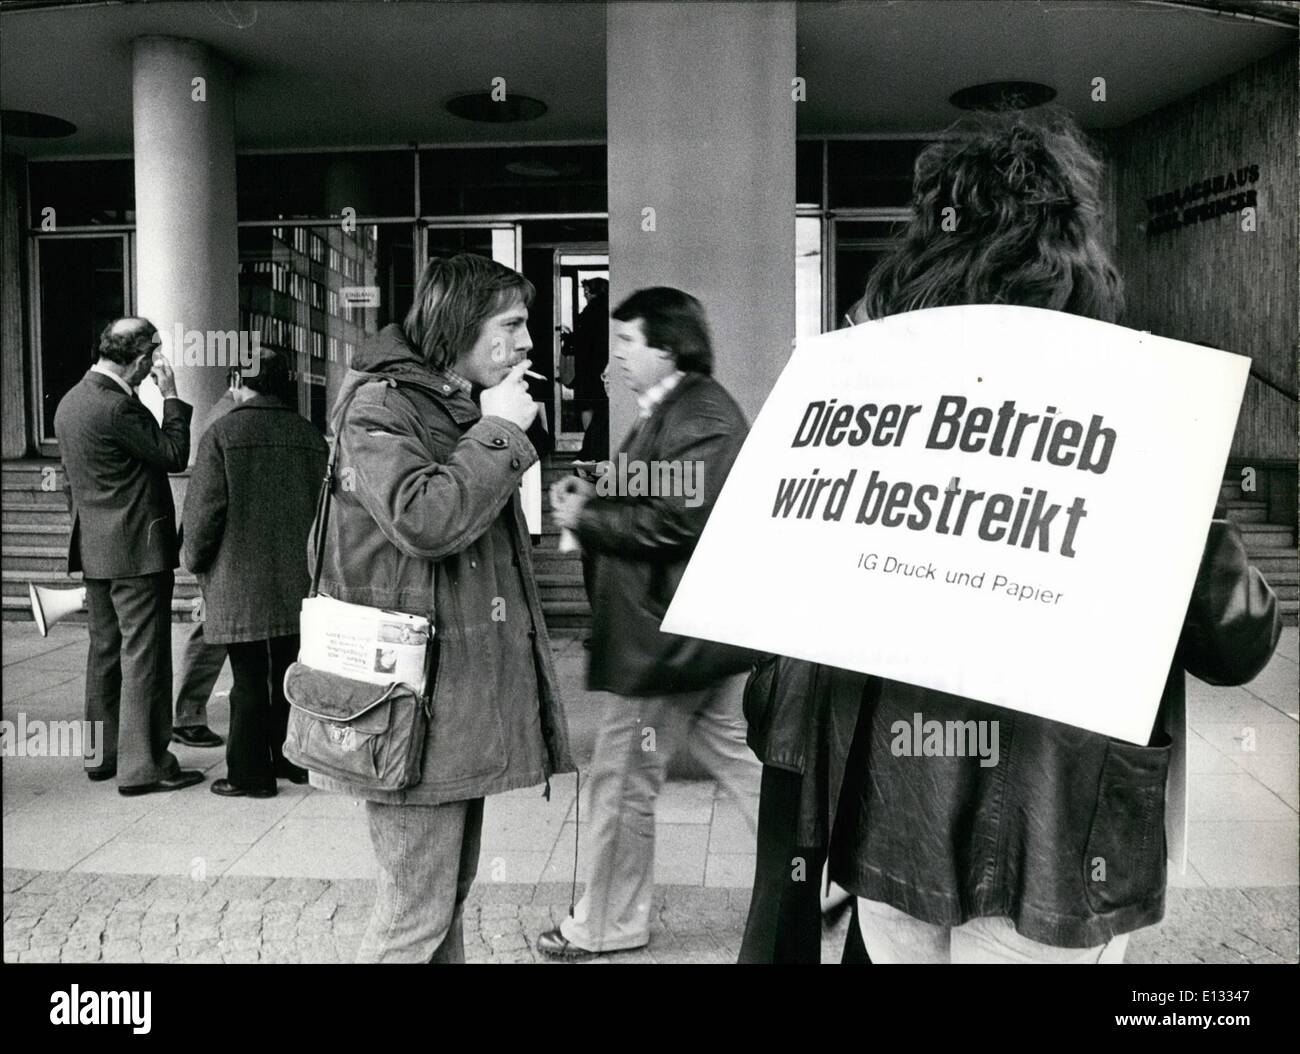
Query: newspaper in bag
(364, 643)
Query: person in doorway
(669, 691)
(250, 504)
(590, 344)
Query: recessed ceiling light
(1002, 95)
(480, 106)
(34, 125)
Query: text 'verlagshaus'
(1030, 519)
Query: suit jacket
(116, 459)
(642, 543)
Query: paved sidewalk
(189, 876)
(81, 917)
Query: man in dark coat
(591, 352)
(124, 542)
(248, 512)
(641, 521)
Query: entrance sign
(1003, 503)
(355, 296)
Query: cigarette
(534, 376)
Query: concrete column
(187, 248)
(13, 387)
(702, 131)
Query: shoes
(554, 945)
(227, 789)
(184, 778)
(287, 770)
(196, 736)
(99, 775)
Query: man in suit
(668, 690)
(116, 458)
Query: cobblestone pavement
(85, 917)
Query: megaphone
(51, 605)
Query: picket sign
(1004, 503)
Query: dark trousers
(259, 712)
(785, 918)
(129, 675)
(201, 664)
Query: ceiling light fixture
(480, 106)
(1002, 95)
(34, 125)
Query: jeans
(893, 936)
(259, 711)
(201, 664)
(428, 857)
(635, 740)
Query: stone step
(35, 558)
(552, 595)
(31, 494)
(35, 535)
(1247, 511)
(38, 512)
(1275, 562)
(553, 563)
(1267, 536)
(15, 581)
(563, 619)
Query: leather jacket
(642, 543)
(1064, 835)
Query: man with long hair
(426, 520)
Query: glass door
(499, 242)
(859, 246)
(580, 352)
(83, 284)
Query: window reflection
(317, 292)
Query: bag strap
(326, 495)
(321, 521)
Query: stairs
(1270, 546)
(36, 528)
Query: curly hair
(1026, 230)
